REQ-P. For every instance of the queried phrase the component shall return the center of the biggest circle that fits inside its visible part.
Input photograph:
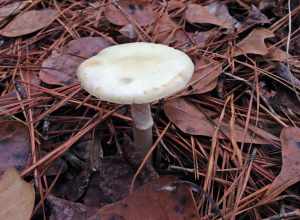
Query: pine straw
(233, 176)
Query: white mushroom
(136, 74)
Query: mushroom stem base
(143, 122)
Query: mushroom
(136, 74)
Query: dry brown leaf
(175, 4)
(163, 28)
(189, 119)
(110, 185)
(128, 31)
(201, 38)
(60, 67)
(290, 169)
(166, 31)
(266, 4)
(14, 145)
(215, 13)
(205, 76)
(16, 197)
(28, 22)
(254, 43)
(255, 16)
(5, 2)
(154, 201)
(140, 11)
(11, 9)
(63, 209)
(276, 54)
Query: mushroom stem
(143, 122)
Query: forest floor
(226, 147)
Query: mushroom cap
(135, 73)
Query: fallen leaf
(29, 22)
(290, 169)
(284, 72)
(14, 145)
(255, 16)
(163, 28)
(16, 196)
(4, 2)
(111, 184)
(281, 99)
(11, 9)
(175, 4)
(277, 54)
(8, 98)
(140, 11)
(63, 209)
(86, 47)
(60, 67)
(166, 31)
(266, 4)
(154, 201)
(220, 10)
(206, 75)
(254, 43)
(189, 119)
(215, 13)
(202, 38)
(128, 31)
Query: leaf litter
(122, 12)
(183, 113)
(60, 67)
(290, 170)
(29, 22)
(215, 13)
(221, 133)
(16, 196)
(254, 43)
(155, 200)
(14, 145)
(11, 9)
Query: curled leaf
(29, 22)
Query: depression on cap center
(135, 73)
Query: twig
(292, 79)
(293, 214)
